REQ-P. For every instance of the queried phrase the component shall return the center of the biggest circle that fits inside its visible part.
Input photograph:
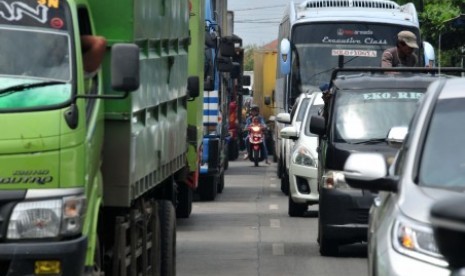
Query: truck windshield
(366, 115)
(33, 56)
(36, 64)
(319, 45)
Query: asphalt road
(246, 231)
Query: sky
(257, 21)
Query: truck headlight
(416, 241)
(302, 156)
(47, 218)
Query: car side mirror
(448, 220)
(318, 125)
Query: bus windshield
(319, 45)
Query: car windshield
(302, 109)
(367, 115)
(443, 156)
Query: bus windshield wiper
(25, 86)
(371, 141)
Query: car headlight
(416, 241)
(302, 156)
(335, 180)
(47, 218)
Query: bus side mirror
(285, 56)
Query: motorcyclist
(254, 112)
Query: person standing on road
(402, 55)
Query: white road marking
(272, 185)
(278, 249)
(274, 207)
(275, 223)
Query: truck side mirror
(193, 87)
(267, 100)
(125, 67)
(224, 64)
(209, 84)
(227, 49)
(236, 70)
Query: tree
(248, 57)
(433, 15)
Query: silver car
(303, 163)
(430, 166)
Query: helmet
(254, 107)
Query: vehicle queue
(371, 185)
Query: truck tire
(155, 250)
(221, 183)
(184, 201)
(208, 187)
(233, 150)
(167, 216)
(296, 209)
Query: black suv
(365, 109)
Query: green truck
(90, 166)
(196, 59)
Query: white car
(303, 165)
(285, 145)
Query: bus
(314, 34)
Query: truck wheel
(221, 183)
(208, 187)
(155, 230)
(233, 150)
(168, 237)
(296, 209)
(184, 198)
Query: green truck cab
(88, 170)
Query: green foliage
(433, 15)
(248, 57)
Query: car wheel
(296, 209)
(279, 171)
(285, 183)
(328, 247)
